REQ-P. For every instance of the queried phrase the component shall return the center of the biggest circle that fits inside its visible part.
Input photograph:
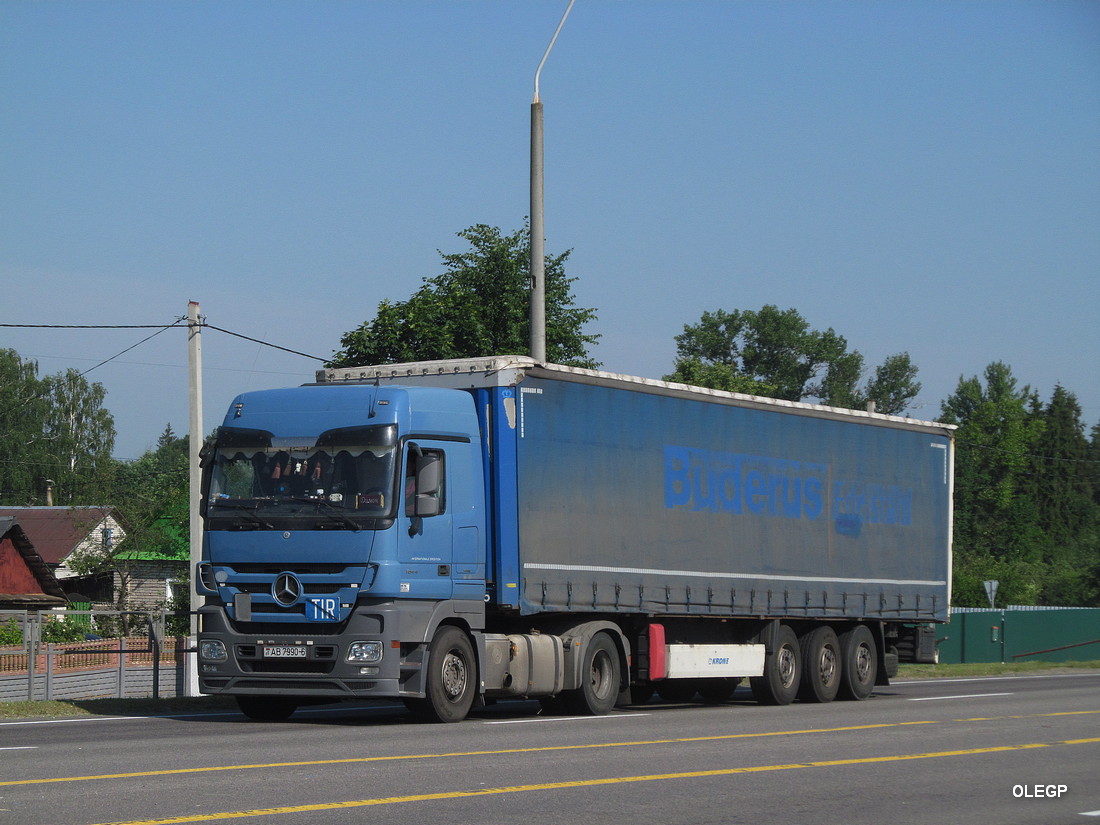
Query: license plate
(284, 652)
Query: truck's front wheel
(599, 679)
(451, 683)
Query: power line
(84, 326)
(138, 344)
(160, 328)
(264, 343)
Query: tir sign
(323, 609)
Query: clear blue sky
(919, 176)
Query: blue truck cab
(342, 526)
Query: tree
(997, 534)
(478, 306)
(80, 433)
(52, 428)
(774, 353)
(22, 410)
(893, 385)
(150, 494)
(1062, 487)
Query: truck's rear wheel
(858, 663)
(782, 671)
(267, 708)
(451, 681)
(600, 680)
(821, 669)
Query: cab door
(425, 522)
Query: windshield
(345, 480)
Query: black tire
(451, 681)
(782, 671)
(715, 691)
(600, 679)
(821, 665)
(858, 663)
(267, 708)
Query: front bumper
(323, 672)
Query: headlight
(364, 652)
(212, 651)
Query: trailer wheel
(451, 683)
(600, 679)
(821, 668)
(267, 708)
(858, 663)
(782, 671)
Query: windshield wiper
(249, 512)
(331, 510)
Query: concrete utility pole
(538, 240)
(194, 401)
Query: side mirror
(429, 480)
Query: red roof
(25, 580)
(56, 531)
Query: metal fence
(1020, 634)
(129, 666)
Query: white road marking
(960, 696)
(562, 719)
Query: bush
(59, 631)
(11, 634)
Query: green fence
(1020, 634)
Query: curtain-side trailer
(459, 531)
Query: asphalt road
(1000, 750)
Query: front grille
(285, 666)
(278, 610)
(288, 685)
(264, 588)
(316, 630)
(298, 569)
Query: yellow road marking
(504, 752)
(587, 783)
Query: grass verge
(116, 707)
(989, 669)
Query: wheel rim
(863, 663)
(601, 673)
(827, 667)
(787, 667)
(454, 675)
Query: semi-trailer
(455, 532)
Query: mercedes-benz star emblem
(286, 589)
